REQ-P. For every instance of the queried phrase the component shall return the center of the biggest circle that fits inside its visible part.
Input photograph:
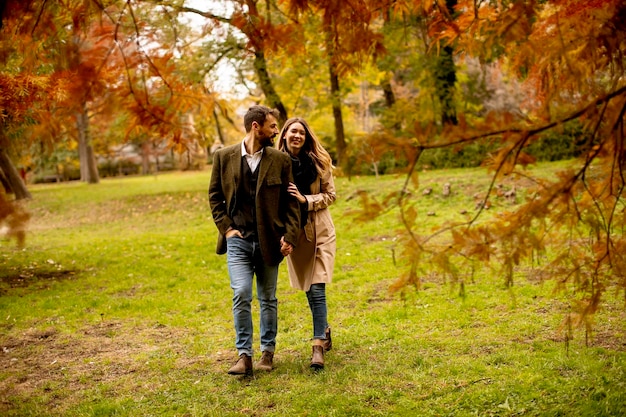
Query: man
(258, 225)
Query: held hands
(293, 190)
(285, 247)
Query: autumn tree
(24, 84)
(270, 31)
(348, 40)
(406, 80)
(84, 54)
(61, 60)
(257, 34)
(21, 90)
(58, 43)
(204, 54)
(161, 99)
(568, 57)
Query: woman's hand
(285, 247)
(293, 190)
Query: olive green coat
(277, 213)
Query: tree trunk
(340, 141)
(146, 150)
(218, 128)
(88, 166)
(260, 67)
(12, 177)
(82, 156)
(390, 97)
(217, 143)
(445, 78)
(385, 84)
(335, 95)
(221, 139)
(390, 100)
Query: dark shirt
(304, 174)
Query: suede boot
(267, 362)
(317, 360)
(243, 366)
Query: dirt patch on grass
(106, 355)
(33, 277)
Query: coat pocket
(273, 181)
(221, 244)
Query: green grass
(118, 306)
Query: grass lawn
(119, 306)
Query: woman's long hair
(312, 146)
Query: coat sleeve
(326, 195)
(217, 198)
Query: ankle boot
(317, 361)
(267, 362)
(243, 366)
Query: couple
(267, 204)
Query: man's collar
(244, 151)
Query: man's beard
(267, 141)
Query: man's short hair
(258, 114)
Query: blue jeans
(244, 261)
(316, 296)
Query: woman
(311, 263)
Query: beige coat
(313, 259)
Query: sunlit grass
(118, 305)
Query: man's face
(267, 132)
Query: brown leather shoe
(328, 343)
(317, 361)
(243, 366)
(267, 361)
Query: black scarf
(304, 174)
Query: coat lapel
(264, 167)
(235, 165)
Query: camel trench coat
(313, 259)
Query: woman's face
(295, 137)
